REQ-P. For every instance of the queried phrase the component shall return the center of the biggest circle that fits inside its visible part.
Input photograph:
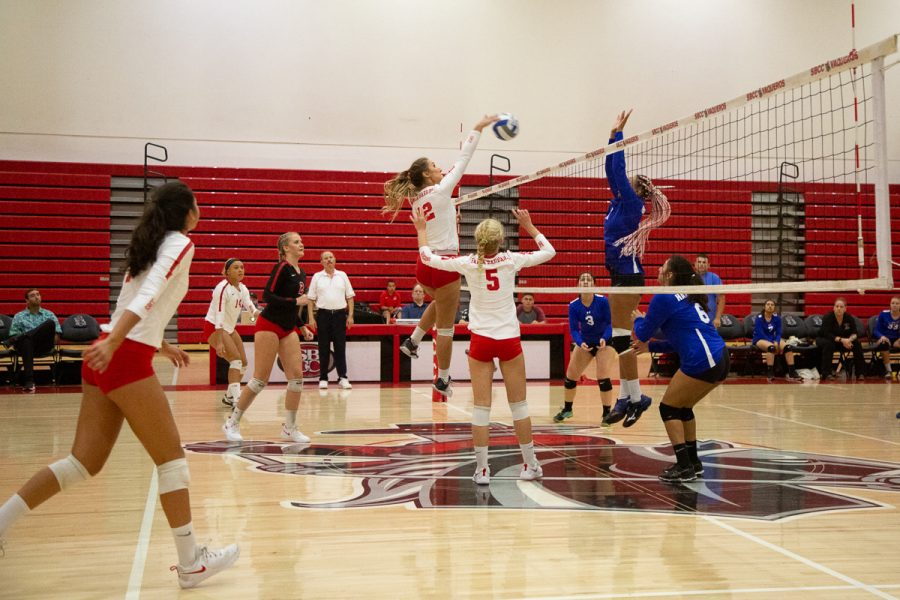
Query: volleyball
(507, 127)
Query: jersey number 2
(492, 279)
(428, 211)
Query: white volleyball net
(785, 188)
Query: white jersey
(227, 303)
(155, 294)
(492, 309)
(437, 204)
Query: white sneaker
(323, 384)
(482, 476)
(208, 563)
(345, 383)
(530, 473)
(232, 430)
(293, 434)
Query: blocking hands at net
(689, 332)
(491, 277)
(118, 383)
(590, 326)
(625, 237)
(429, 190)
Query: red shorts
(487, 349)
(263, 324)
(132, 361)
(433, 278)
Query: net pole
(882, 196)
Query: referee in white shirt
(330, 289)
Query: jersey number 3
(493, 282)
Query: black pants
(34, 342)
(332, 329)
(829, 347)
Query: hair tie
(229, 262)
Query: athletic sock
(290, 419)
(681, 455)
(607, 410)
(692, 451)
(417, 335)
(481, 457)
(11, 511)
(236, 415)
(234, 391)
(634, 389)
(444, 374)
(528, 453)
(568, 406)
(186, 544)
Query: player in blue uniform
(590, 324)
(886, 334)
(767, 337)
(625, 236)
(688, 330)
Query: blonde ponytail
(403, 186)
(488, 237)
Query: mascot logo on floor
(430, 465)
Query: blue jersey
(623, 216)
(767, 330)
(711, 278)
(590, 324)
(887, 326)
(687, 328)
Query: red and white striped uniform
(492, 309)
(437, 205)
(227, 303)
(155, 294)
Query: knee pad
(69, 471)
(669, 413)
(446, 332)
(771, 349)
(237, 365)
(519, 410)
(620, 343)
(884, 346)
(605, 384)
(481, 416)
(243, 368)
(618, 331)
(295, 385)
(256, 386)
(687, 413)
(569, 384)
(173, 476)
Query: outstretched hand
(418, 218)
(620, 121)
(485, 121)
(522, 217)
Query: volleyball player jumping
(430, 191)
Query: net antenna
(723, 169)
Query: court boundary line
(136, 578)
(706, 592)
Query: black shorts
(625, 279)
(718, 373)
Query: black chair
(743, 354)
(876, 366)
(795, 326)
(78, 332)
(45, 354)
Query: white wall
(370, 85)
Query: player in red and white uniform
(229, 298)
(119, 383)
(491, 278)
(430, 191)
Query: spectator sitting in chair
(416, 308)
(887, 335)
(838, 333)
(32, 328)
(527, 312)
(390, 302)
(767, 337)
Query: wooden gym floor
(798, 500)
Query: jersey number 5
(492, 279)
(428, 211)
